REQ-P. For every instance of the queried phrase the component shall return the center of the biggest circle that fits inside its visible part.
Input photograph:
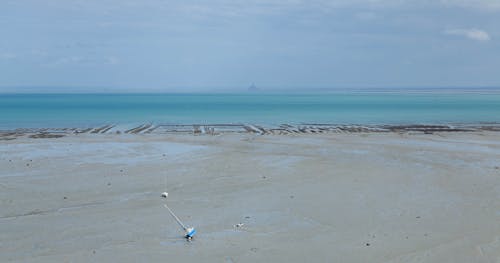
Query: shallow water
(83, 110)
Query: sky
(183, 45)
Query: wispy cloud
(366, 16)
(252, 7)
(7, 56)
(474, 34)
(84, 61)
(489, 5)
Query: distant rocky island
(253, 88)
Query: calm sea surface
(81, 110)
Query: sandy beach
(361, 197)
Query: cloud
(488, 5)
(366, 16)
(474, 34)
(7, 56)
(84, 61)
(111, 60)
(245, 7)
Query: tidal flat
(333, 197)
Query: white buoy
(164, 195)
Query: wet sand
(363, 197)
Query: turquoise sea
(82, 110)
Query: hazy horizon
(198, 46)
(118, 90)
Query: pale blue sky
(209, 45)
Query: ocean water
(85, 110)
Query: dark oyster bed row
(215, 129)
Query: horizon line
(25, 89)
